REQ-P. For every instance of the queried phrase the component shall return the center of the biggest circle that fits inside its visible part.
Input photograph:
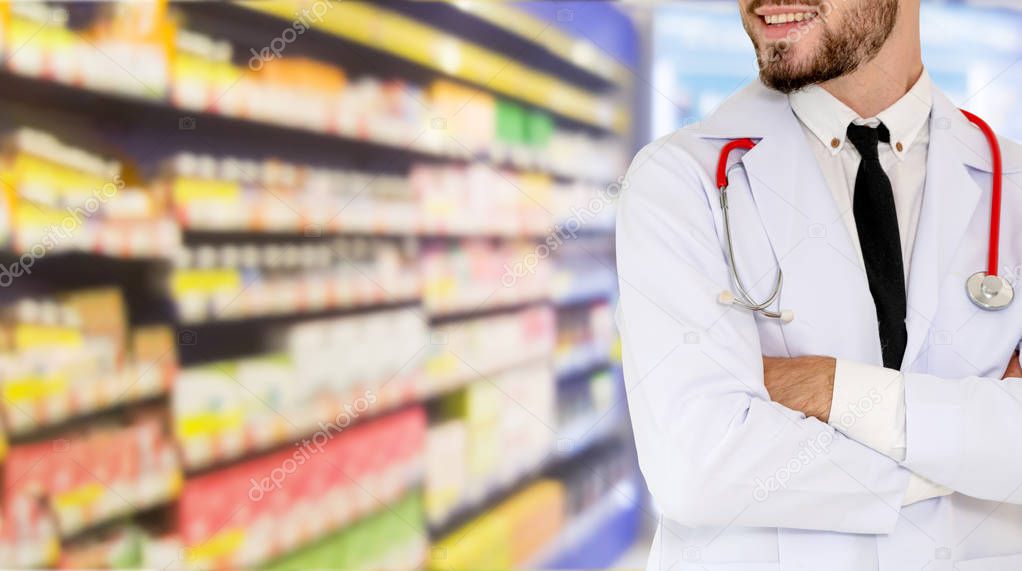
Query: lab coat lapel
(824, 283)
(950, 197)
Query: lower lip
(782, 31)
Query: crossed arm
(807, 385)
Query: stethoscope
(987, 290)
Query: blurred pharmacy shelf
(597, 536)
(346, 306)
(574, 516)
(425, 45)
(423, 140)
(528, 28)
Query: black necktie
(877, 224)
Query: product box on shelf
(389, 539)
(252, 512)
(60, 197)
(446, 476)
(602, 511)
(365, 108)
(230, 193)
(122, 547)
(474, 274)
(506, 536)
(578, 280)
(470, 115)
(74, 354)
(478, 199)
(28, 532)
(90, 477)
(339, 370)
(585, 335)
(274, 84)
(124, 38)
(201, 73)
(585, 412)
(491, 435)
(464, 351)
(249, 279)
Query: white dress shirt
(869, 401)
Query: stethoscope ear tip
(726, 298)
(787, 316)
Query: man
(873, 431)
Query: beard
(841, 52)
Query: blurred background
(309, 284)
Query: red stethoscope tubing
(995, 195)
(995, 201)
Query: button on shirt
(825, 121)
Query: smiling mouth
(784, 15)
(788, 18)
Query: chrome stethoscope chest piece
(989, 292)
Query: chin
(782, 57)
(789, 74)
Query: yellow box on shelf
(187, 190)
(33, 46)
(479, 544)
(208, 281)
(537, 514)
(187, 69)
(384, 30)
(220, 546)
(41, 223)
(30, 336)
(506, 536)
(210, 424)
(441, 366)
(34, 388)
(79, 497)
(31, 173)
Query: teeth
(789, 18)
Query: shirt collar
(828, 118)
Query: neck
(879, 83)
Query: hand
(805, 384)
(1014, 369)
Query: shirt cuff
(920, 489)
(868, 406)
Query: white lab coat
(746, 484)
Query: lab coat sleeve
(715, 451)
(868, 405)
(966, 434)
